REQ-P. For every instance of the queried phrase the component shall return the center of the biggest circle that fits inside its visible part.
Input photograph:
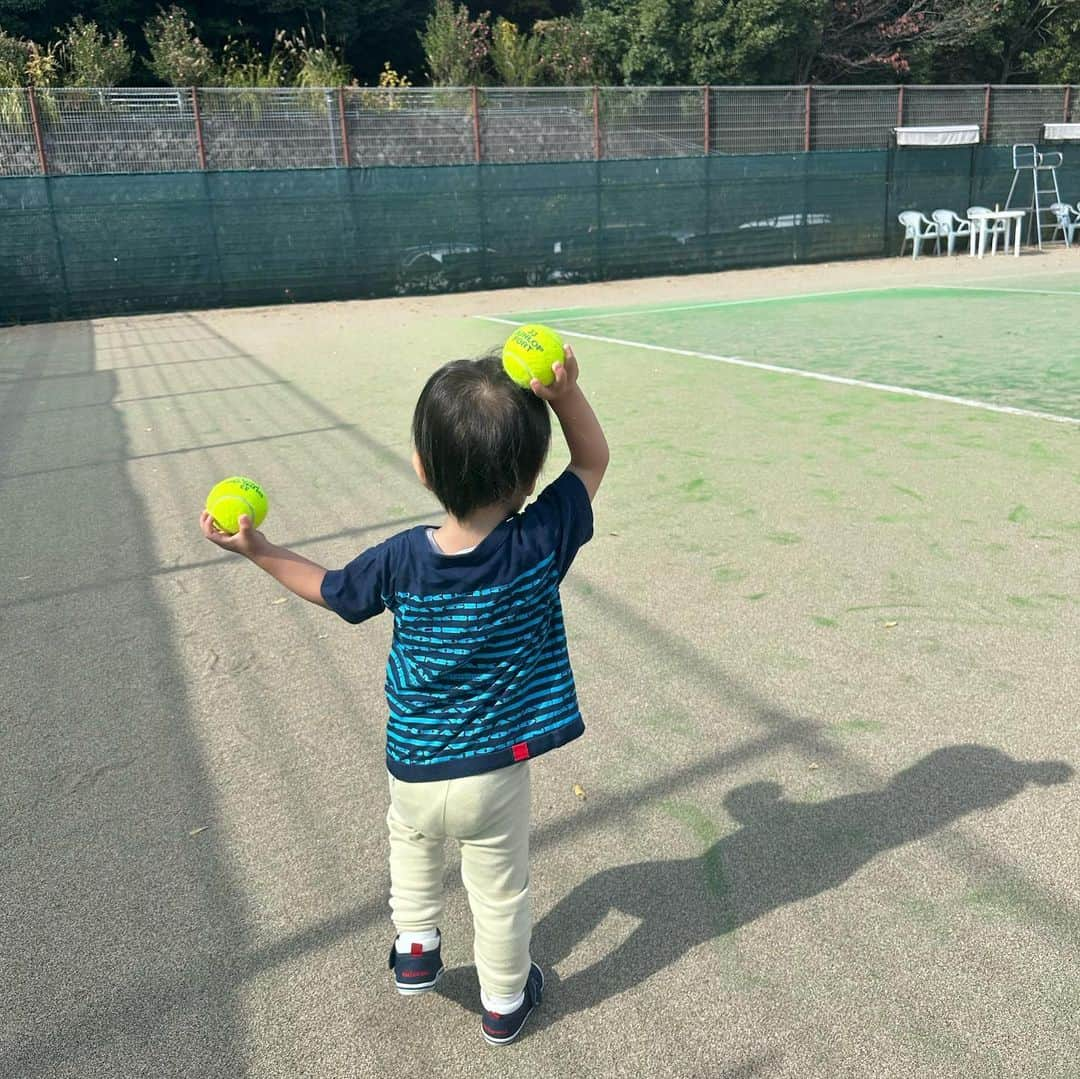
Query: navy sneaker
(500, 1029)
(416, 971)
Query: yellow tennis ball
(231, 498)
(531, 352)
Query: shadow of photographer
(784, 851)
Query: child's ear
(418, 468)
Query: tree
(1024, 40)
(1055, 55)
(20, 16)
(865, 36)
(756, 41)
(642, 42)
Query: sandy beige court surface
(823, 823)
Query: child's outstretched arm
(584, 435)
(297, 573)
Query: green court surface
(822, 824)
(1008, 347)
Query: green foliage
(91, 58)
(637, 39)
(177, 56)
(754, 42)
(243, 65)
(14, 53)
(556, 42)
(14, 56)
(43, 68)
(574, 53)
(1057, 58)
(22, 17)
(384, 98)
(315, 62)
(1017, 41)
(456, 48)
(515, 57)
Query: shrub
(177, 56)
(315, 63)
(384, 97)
(42, 65)
(515, 57)
(14, 56)
(243, 65)
(456, 47)
(569, 54)
(92, 59)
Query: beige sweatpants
(489, 815)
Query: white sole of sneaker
(416, 990)
(506, 1041)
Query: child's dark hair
(481, 438)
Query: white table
(1013, 219)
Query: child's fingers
(571, 362)
(564, 375)
(206, 523)
(227, 540)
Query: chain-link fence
(77, 131)
(81, 246)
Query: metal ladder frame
(1026, 157)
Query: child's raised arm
(584, 436)
(297, 573)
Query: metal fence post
(39, 138)
(345, 152)
(986, 115)
(706, 93)
(1068, 105)
(476, 124)
(200, 145)
(596, 122)
(806, 120)
(900, 107)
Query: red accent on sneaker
(416, 949)
(520, 751)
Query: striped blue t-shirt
(478, 675)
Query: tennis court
(998, 346)
(823, 821)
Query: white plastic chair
(1066, 220)
(917, 227)
(951, 225)
(994, 229)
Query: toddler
(478, 680)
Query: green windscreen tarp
(79, 246)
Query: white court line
(706, 305)
(1004, 288)
(724, 303)
(817, 376)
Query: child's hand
(246, 542)
(566, 376)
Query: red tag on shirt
(520, 751)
